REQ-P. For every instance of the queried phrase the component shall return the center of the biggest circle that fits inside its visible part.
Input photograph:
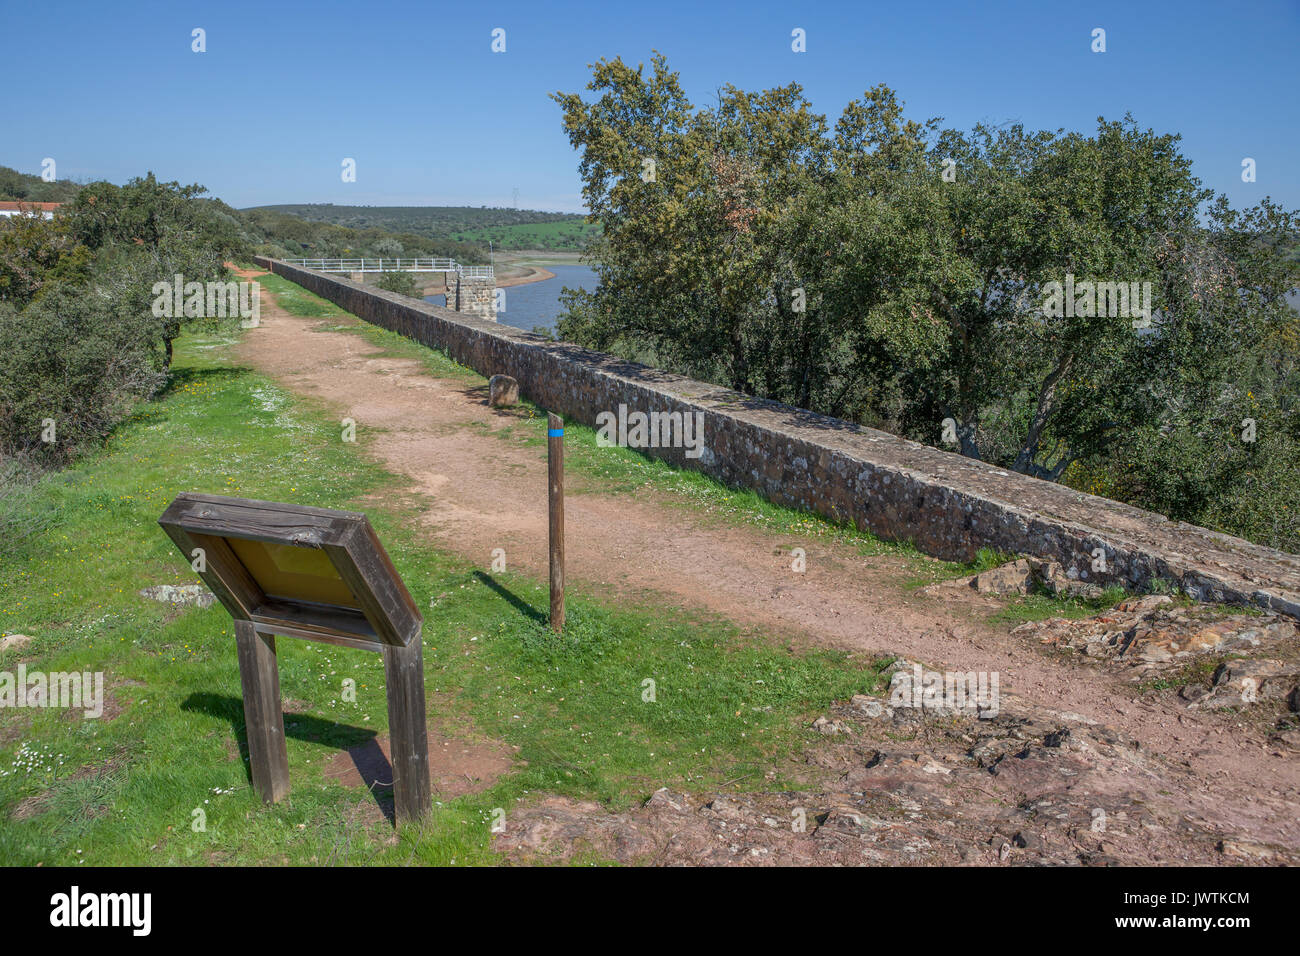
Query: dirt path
(484, 493)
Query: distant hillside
(569, 234)
(507, 228)
(15, 186)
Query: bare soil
(1223, 770)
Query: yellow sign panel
(286, 572)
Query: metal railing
(393, 265)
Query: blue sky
(286, 90)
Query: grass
(125, 789)
(1197, 672)
(296, 300)
(1038, 606)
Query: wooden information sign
(321, 575)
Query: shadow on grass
(179, 377)
(518, 603)
(361, 743)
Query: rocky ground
(911, 780)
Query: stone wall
(947, 505)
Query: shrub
(73, 364)
(401, 282)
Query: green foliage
(24, 186)
(431, 222)
(80, 343)
(570, 234)
(70, 370)
(839, 269)
(277, 231)
(34, 250)
(401, 282)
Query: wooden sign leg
(408, 732)
(263, 718)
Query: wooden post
(407, 730)
(555, 496)
(263, 718)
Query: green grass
(296, 300)
(1037, 606)
(729, 705)
(1197, 672)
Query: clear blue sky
(286, 90)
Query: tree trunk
(1024, 462)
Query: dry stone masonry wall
(473, 294)
(947, 505)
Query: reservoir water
(538, 303)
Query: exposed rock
(1143, 602)
(180, 595)
(824, 725)
(871, 706)
(1263, 676)
(663, 797)
(726, 808)
(1013, 578)
(1241, 682)
(503, 391)
(1245, 851)
(1059, 581)
(1027, 840)
(1151, 634)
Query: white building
(11, 208)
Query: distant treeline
(506, 228)
(281, 234)
(21, 186)
(339, 231)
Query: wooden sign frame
(373, 611)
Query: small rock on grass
(14, 640)
(180, 594)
